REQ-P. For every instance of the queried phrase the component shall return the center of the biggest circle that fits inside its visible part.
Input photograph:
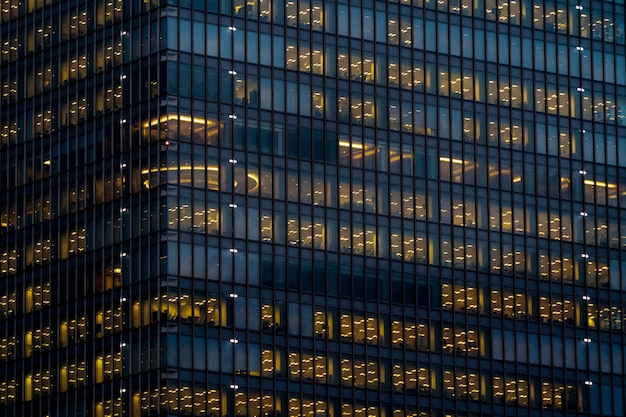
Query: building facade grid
(312, 207)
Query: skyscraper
(312, 208)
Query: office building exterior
(312, 208)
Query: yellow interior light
(452, 160)
(347, 144)
(600, 184)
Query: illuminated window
(108, 11)
(271, 317)
(359, 410)
(552, 395)
(461, 385)
(108, 321)
(37, 385)
(8, 392)
(108, 279)
(303, 407)
(361, 329)
(184, 307)
(556, 310)
(459, 298)
(8, 91)
(8, 134)
(108, 366)
(373, 330)
(10, 49)
(73, 331)
(458, 340)
(301, 366)
(39, 252)
(109, 408)
(323, 325)
(10, 10)
(610, 318)
(268, 362)
(108, 56)
(37, 340)
(72, 243)
(73, 111)
(8, 305)
(410, 335)
(8, 348)
(509, 304)
(398, 375)
(72, 376)
(347, 375)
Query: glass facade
(312, 208)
